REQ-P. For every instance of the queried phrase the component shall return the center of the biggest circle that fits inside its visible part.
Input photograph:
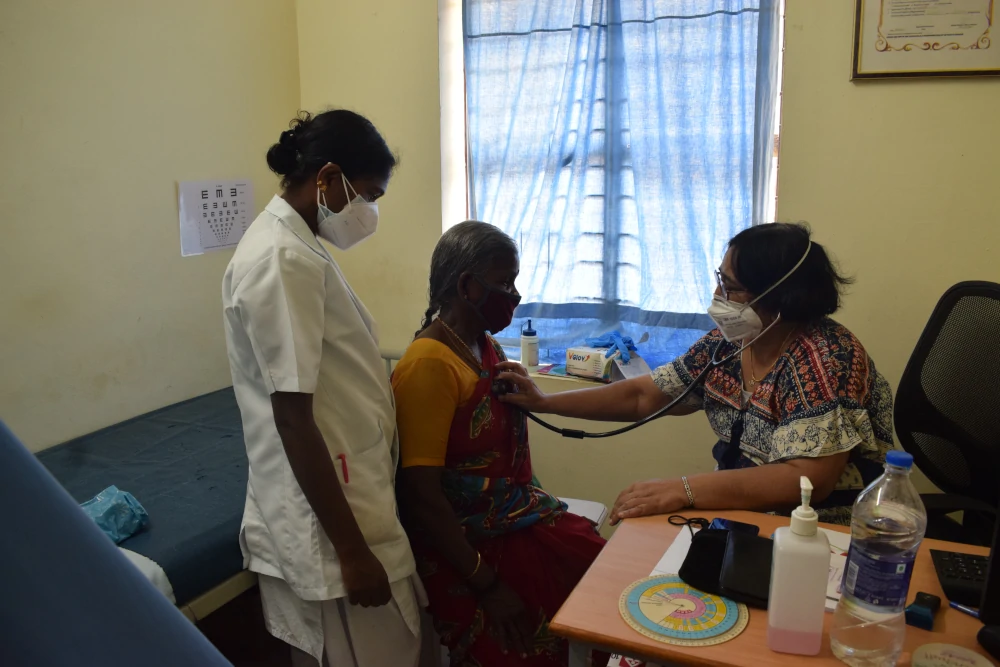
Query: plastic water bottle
(887, 526)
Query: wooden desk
(591, 617)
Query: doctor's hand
(365, 579)
(657, 496)
(526, 394)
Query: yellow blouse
(430, 383)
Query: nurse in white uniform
(320, 524)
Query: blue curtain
(614, 140)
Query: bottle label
(880, 582)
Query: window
(621, 143)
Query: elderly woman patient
(497, 554)
(803, 399)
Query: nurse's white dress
(294, 325)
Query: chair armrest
(946, 503)
(591, 510)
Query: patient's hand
(658, 496)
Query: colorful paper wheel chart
(666, 609)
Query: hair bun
(283, 157)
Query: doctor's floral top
(822, 397)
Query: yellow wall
(380, 58)
(108, 321)
(104, 106)
(395, 83)
(894, 177)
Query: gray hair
(468, 247)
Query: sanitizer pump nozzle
(804, 518)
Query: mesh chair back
(947, 412)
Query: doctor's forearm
(769, 487)
(762, 488)
(624, 401)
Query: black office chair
(947, 412)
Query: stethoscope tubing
(662, 412)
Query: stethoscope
(698, 381)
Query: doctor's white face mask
(738, 321)
(351, 226)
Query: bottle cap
(804, 517)
(526, 330)
(899, 459)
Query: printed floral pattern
(823, 396)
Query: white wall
(105, 105)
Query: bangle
(687, 490)
(479, 563)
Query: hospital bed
(186, 463)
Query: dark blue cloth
(187, 465)
(69, 596)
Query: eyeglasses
(723, 289)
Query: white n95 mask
(738, 321)
(351, 226)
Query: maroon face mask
(496, 308)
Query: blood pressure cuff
(730, 563)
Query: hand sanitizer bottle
(529, 347)
(800, 568)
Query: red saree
(522, 532)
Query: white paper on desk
(675, 554)
(839, 544)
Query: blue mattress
(187, 465)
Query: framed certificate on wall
(916, 38)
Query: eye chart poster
(213, 214)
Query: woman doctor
(804, 399)
(320, 524)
